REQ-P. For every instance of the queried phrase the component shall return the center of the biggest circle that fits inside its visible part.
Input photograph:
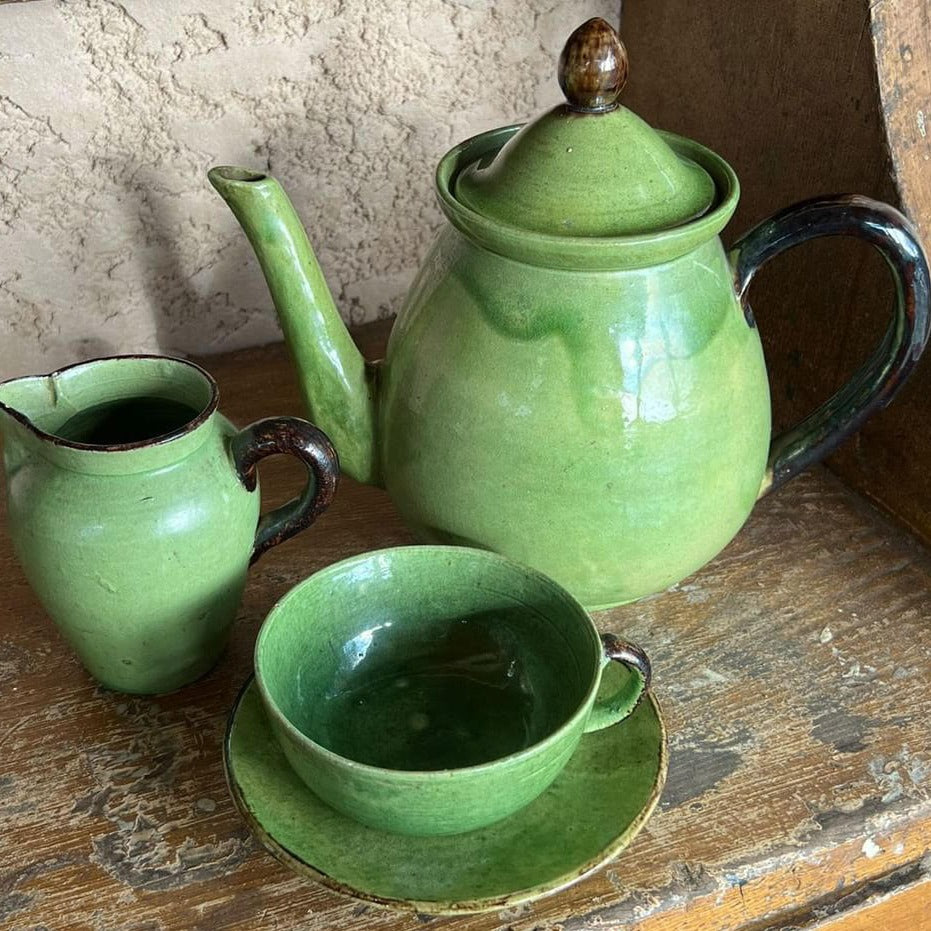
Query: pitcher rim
(193, 424)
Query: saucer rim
(438, 908)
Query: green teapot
(576, 379)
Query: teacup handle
(881, 376)
(608, 711)
(274, 436)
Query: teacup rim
(429, 775)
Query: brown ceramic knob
(593, 67)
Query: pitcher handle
(277, 435)
(878, 380)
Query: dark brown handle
(883, 374)
(278, 435)
(618, 706)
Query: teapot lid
(589, 167)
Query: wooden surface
(908, 909)
(799, 96)
(793, 672)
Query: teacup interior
(427, 658)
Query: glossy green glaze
(138, 552)
(584, 253)
(589, 167)
(546, 176)
(576, 379)
(139, 556)
(608, 428)
(335, 381)
(433, 690)
(595, 408)
(591, 812)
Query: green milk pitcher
(133, 507)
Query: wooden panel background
(797, 95)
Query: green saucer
(588, 815)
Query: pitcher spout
(25, 400)
(24, 405)
(337, 384)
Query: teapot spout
(337, 384)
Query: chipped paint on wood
(900, 899)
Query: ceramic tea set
(573, 410)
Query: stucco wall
(111, 239)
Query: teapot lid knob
(593, 67)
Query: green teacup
(435, 689)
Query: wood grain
(908, 908)
(895, 468)
(800, 97)
(793, 672)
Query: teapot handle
(878, 380)
(299, 438)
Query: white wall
(111, 239)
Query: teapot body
(609, 428)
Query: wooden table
(793, 671)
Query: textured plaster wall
(111, 239)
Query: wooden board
(793, 672)
(799, 97)
(896, 469)
(908, 909)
